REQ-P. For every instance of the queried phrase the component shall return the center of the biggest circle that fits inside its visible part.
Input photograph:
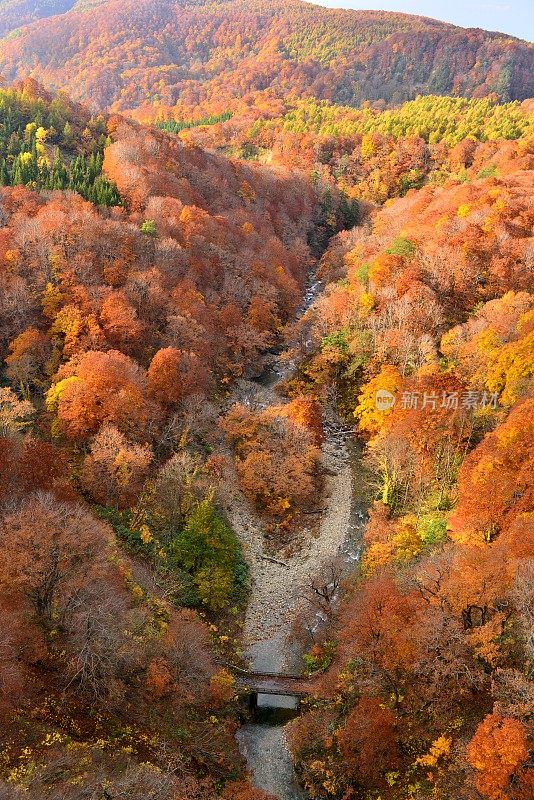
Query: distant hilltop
(120, 54)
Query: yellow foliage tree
(373, 409)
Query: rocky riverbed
(280, 587)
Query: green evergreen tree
(207, 548)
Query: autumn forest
(266, 404)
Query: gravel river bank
(279, 587)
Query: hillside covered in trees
(50, 143)
(121, 327)
(121, 54)
(427, 687)
(16, 13)
(369, 155)
(248, 211)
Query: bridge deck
(273, 683)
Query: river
(277, 589)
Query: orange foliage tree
(50, 550)
(497, 751)
(114, 469)
(99, 388)
(174, 375)
(495, 481)
(276, 459)
(367, 741)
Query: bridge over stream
(274, 683)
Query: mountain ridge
(120, 55)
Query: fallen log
(276, 561)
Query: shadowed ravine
(278, 589)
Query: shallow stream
(269, 646)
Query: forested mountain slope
(372, 155)
(121, 327)
(16, 13)
(123, 53)
(429, 692)
(145, 277)
(49, 143)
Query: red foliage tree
(367, 741)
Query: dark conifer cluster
(41, 147)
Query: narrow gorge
(281, 581)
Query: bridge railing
(261, 673)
